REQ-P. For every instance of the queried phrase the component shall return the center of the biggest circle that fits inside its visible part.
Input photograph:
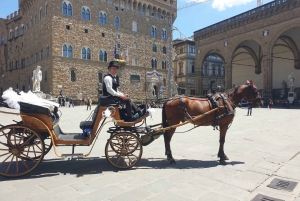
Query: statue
(36, 79)
(151, 90)
(291, 82)
(79, 94)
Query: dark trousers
(129, 106)
(249, 111)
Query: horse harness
(213, 102)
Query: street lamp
(170, 70)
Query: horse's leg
(221, 153)
(168, 136)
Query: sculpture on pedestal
(36, 79)
(291, 82)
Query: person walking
(270, 103)
(89, 103)
(249, 109)
(71, 103)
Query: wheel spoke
(5, 159)
(21, 138)
(27, 140)
(9, 164)
(17, 165)
(28, 157)
(4, 154)
(4, 144)
(25, 163)
(118, 160)
(4, 134)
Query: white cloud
(223, 4)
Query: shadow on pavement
(95, 165)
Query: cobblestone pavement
(260, 147)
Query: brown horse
(180, 109)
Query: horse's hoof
(222, 162)
(225, 158)
(172, 161)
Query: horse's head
(252, 95)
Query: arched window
(154, 48)
(134, 46)
(10, 34)
(85, 13)
(164, 50)
(134, 61)
(22, 29)
(16, 32)
(46, 9)
(103, 55)
(154, 63)
(86, 53)
(67, 50)
(164, 34)
(73, 75)
(164, 65)
(117, 22)
(134, 26)
(153, 31)
(102, 18)
(41, 14)
(67, 8)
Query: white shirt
(108, 83)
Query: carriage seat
(28, 108)
(89, 124)
(108, 101)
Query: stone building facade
(73, 41)
(184, 66)
(261, 44)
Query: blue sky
(189, 19)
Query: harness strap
(186, 114)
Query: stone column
(268, 77)
(228, 75)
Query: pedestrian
(63, 102)
(67, 101)
(71, 103)
(249, 109)
(270, 103)
(287, 103)
(89, 103)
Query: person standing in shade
(110, 90)
(89, 103)
(270, 103)
(249, 109)
(71, 103)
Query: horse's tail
(164, 116)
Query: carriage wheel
(123, 150)
(45, 137)
(21, 150)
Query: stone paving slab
(260, 147)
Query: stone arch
(247, 54)
(288, 40)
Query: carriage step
(70, 155)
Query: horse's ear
(251, 83)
